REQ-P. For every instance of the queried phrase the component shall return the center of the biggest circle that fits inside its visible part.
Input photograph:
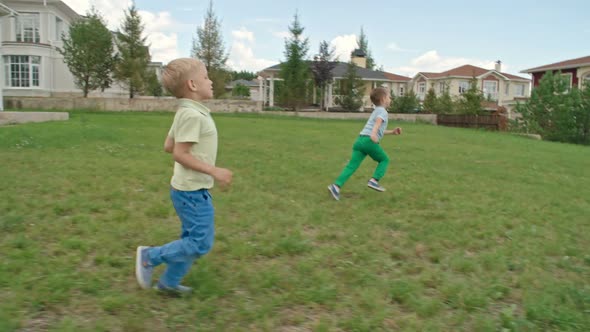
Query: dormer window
(27, 28)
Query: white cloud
(242, 58)
(159, 28)
(395, 48)
(431, 61)
(343, 46)
(243, 33)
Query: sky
(404, 37)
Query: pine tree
(295, 71)
(134, 58)
(208, 47)
(363, 44)
(407, 103)
(430, 101)
(352, 89)
(88, 52)
(470, 101)
(322, 67)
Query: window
(490, 89)
(59, 27)
(22, 71)
(401, 90)
(519, 90)
(507, 88)
(442, 87)
(568, 79)
(586, 80)
(463, 87)
(422, 87)
(27, 28)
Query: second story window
(519, 90)
(27, 28)
(59, 28)
(463, 87)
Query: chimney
(498, 66)
(359, 58)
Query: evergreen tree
(242, 75)
(153, 86)
(351, 89)
(430, 101)
(470, 101)
(295, 71)
(208, 47)
(363, 44)
(445, 103)
(134, 53)
(407, 103)
(88, 52)
(322, 67)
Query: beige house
(502, 89)
(371, 78)
(30, 34)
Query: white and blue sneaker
(335, 191)
(373, 184)
(178, 290)
(143, 269)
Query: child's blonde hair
(175, 74)
(378, 94)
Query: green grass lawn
(478, 231)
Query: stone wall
(24, 117)
(123, 104)
(428, 118)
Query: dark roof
(572, 63)
(340, 69)
(358, 53)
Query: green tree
(208, 47)
(351, 89)
(408, 103)
(134, 53)
(242, 75)
(430, 102)
(88, 52)
(240, 90)
(363, 44)
(321, 68)
(470, 101)
(295, 71)
(444, 104)
(556, 111)
(153, 86)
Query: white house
(30, 33)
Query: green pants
(362, 147)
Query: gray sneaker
(334, 191)
(375, 185)
(143, 270)
(178, 290)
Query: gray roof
(340, 69)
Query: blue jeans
(196, 213)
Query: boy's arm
(376, 127)
(396, 131)
(182, 155)
(169, 144)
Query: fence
(491, 122)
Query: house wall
(573, 71)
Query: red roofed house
(577, 70)
(502, 89)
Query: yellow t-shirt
(193, 123)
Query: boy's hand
(223, 176)
(397, 131)
(374, 138)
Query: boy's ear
(190, 84)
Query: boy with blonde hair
(368, 144)
(192, 141)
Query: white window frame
(59, 28)
(493, 94)
(442, 86)
(22, 71)
(507, 88)
(422, 87)
(519, 90)
(585, 78)
(570, 80)
(25, 22)
(463, 87)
